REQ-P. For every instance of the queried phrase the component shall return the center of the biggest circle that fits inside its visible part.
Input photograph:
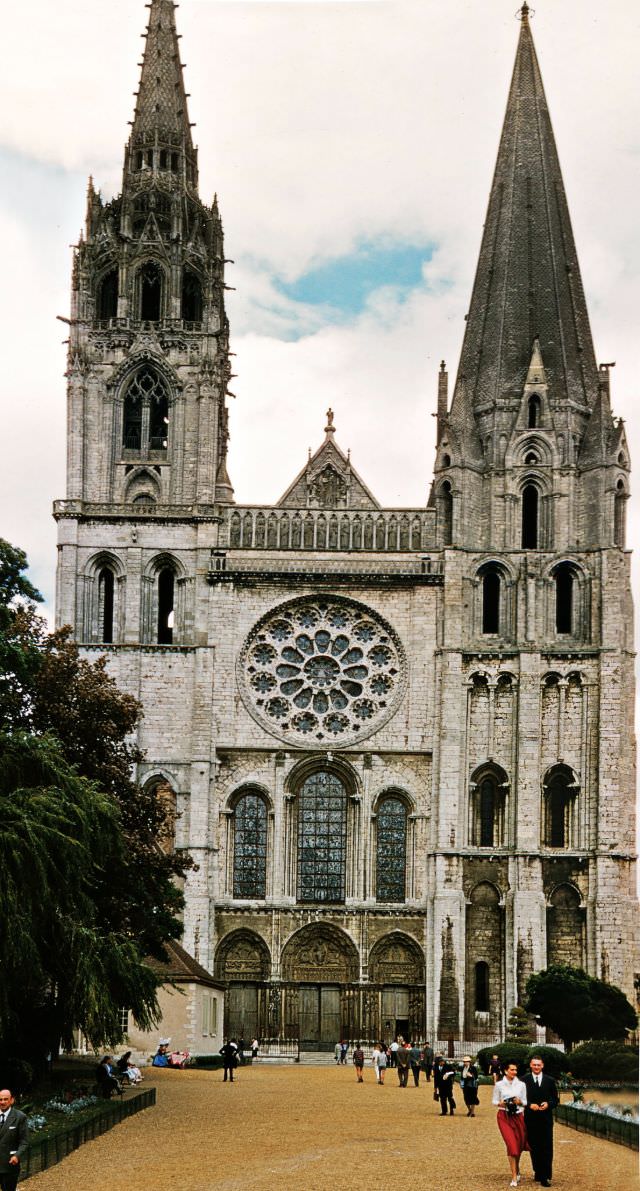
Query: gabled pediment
(328, 480)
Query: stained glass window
(322, 829)
(250, 851)
(391, 851)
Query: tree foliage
(518, 1025)
(87, 879)
(578, 1006)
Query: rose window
(322, 672)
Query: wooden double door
(319, 1016)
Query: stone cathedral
(399, 741)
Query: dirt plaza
(313, 1128)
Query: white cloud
(320, 126)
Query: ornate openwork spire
(161, 99)
(528, 278)
(161, 118)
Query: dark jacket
(14, 1138)
(547, 1091)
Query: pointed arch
(620, 515)
(103, 599)
(191, 297)
(560, 796)
(145, 420)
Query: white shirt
(505, 1089)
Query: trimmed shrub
(515, 1051)
(555, 1061)
(604, 1060)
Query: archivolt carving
(396, 959)
(242, 956)
(320, 955)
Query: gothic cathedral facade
(399, 741)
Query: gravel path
(313, 1129)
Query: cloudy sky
(352, 145)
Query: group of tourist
(525, 1107)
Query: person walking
(382, 1064)
(444, 1076)
(427, 1060)
(415, 1058)
(337, 1050)
(510, 1097)
(402, 1063)
(393, 1052)
(542, 1098)
(255, 1046)
(469, 1085)
(344, 1050)
(229, 1052)
(14, 1138)
(358, 1061)
(495, 1069)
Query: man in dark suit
(542, 1098)
(13, 1141)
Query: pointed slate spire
(527, 283)
(161, 116)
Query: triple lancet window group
(320, 833)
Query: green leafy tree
(87, 876)
(577, 1006)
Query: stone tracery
(329, 671)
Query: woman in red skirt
(510, 1095)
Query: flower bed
(52, 1139)
(602, 1120)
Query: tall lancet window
(166, 597)
(620, 515)
(534, 411)
(322, 838)
(150, 292)
(106, 593)
(530, 517)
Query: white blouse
(505, 1089)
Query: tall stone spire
(161, 118)
(527, 283)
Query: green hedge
(556, 1062)
(604, 1060)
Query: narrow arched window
(564, 581)
(530, 503)
(150, 282)
(446, 504)
(560, 793)
(619, 516)
(534, 411)
(487, 813)
(250, 847)
(166, 595)
(391, 850)
(106, 592)
(191, 297)
(481, 990)
(491, 602)
(107, 296)
(322, 831)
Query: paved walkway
(316, 1129)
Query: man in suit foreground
(542, 1098)
(13, 1141)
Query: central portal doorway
(319, 1016)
